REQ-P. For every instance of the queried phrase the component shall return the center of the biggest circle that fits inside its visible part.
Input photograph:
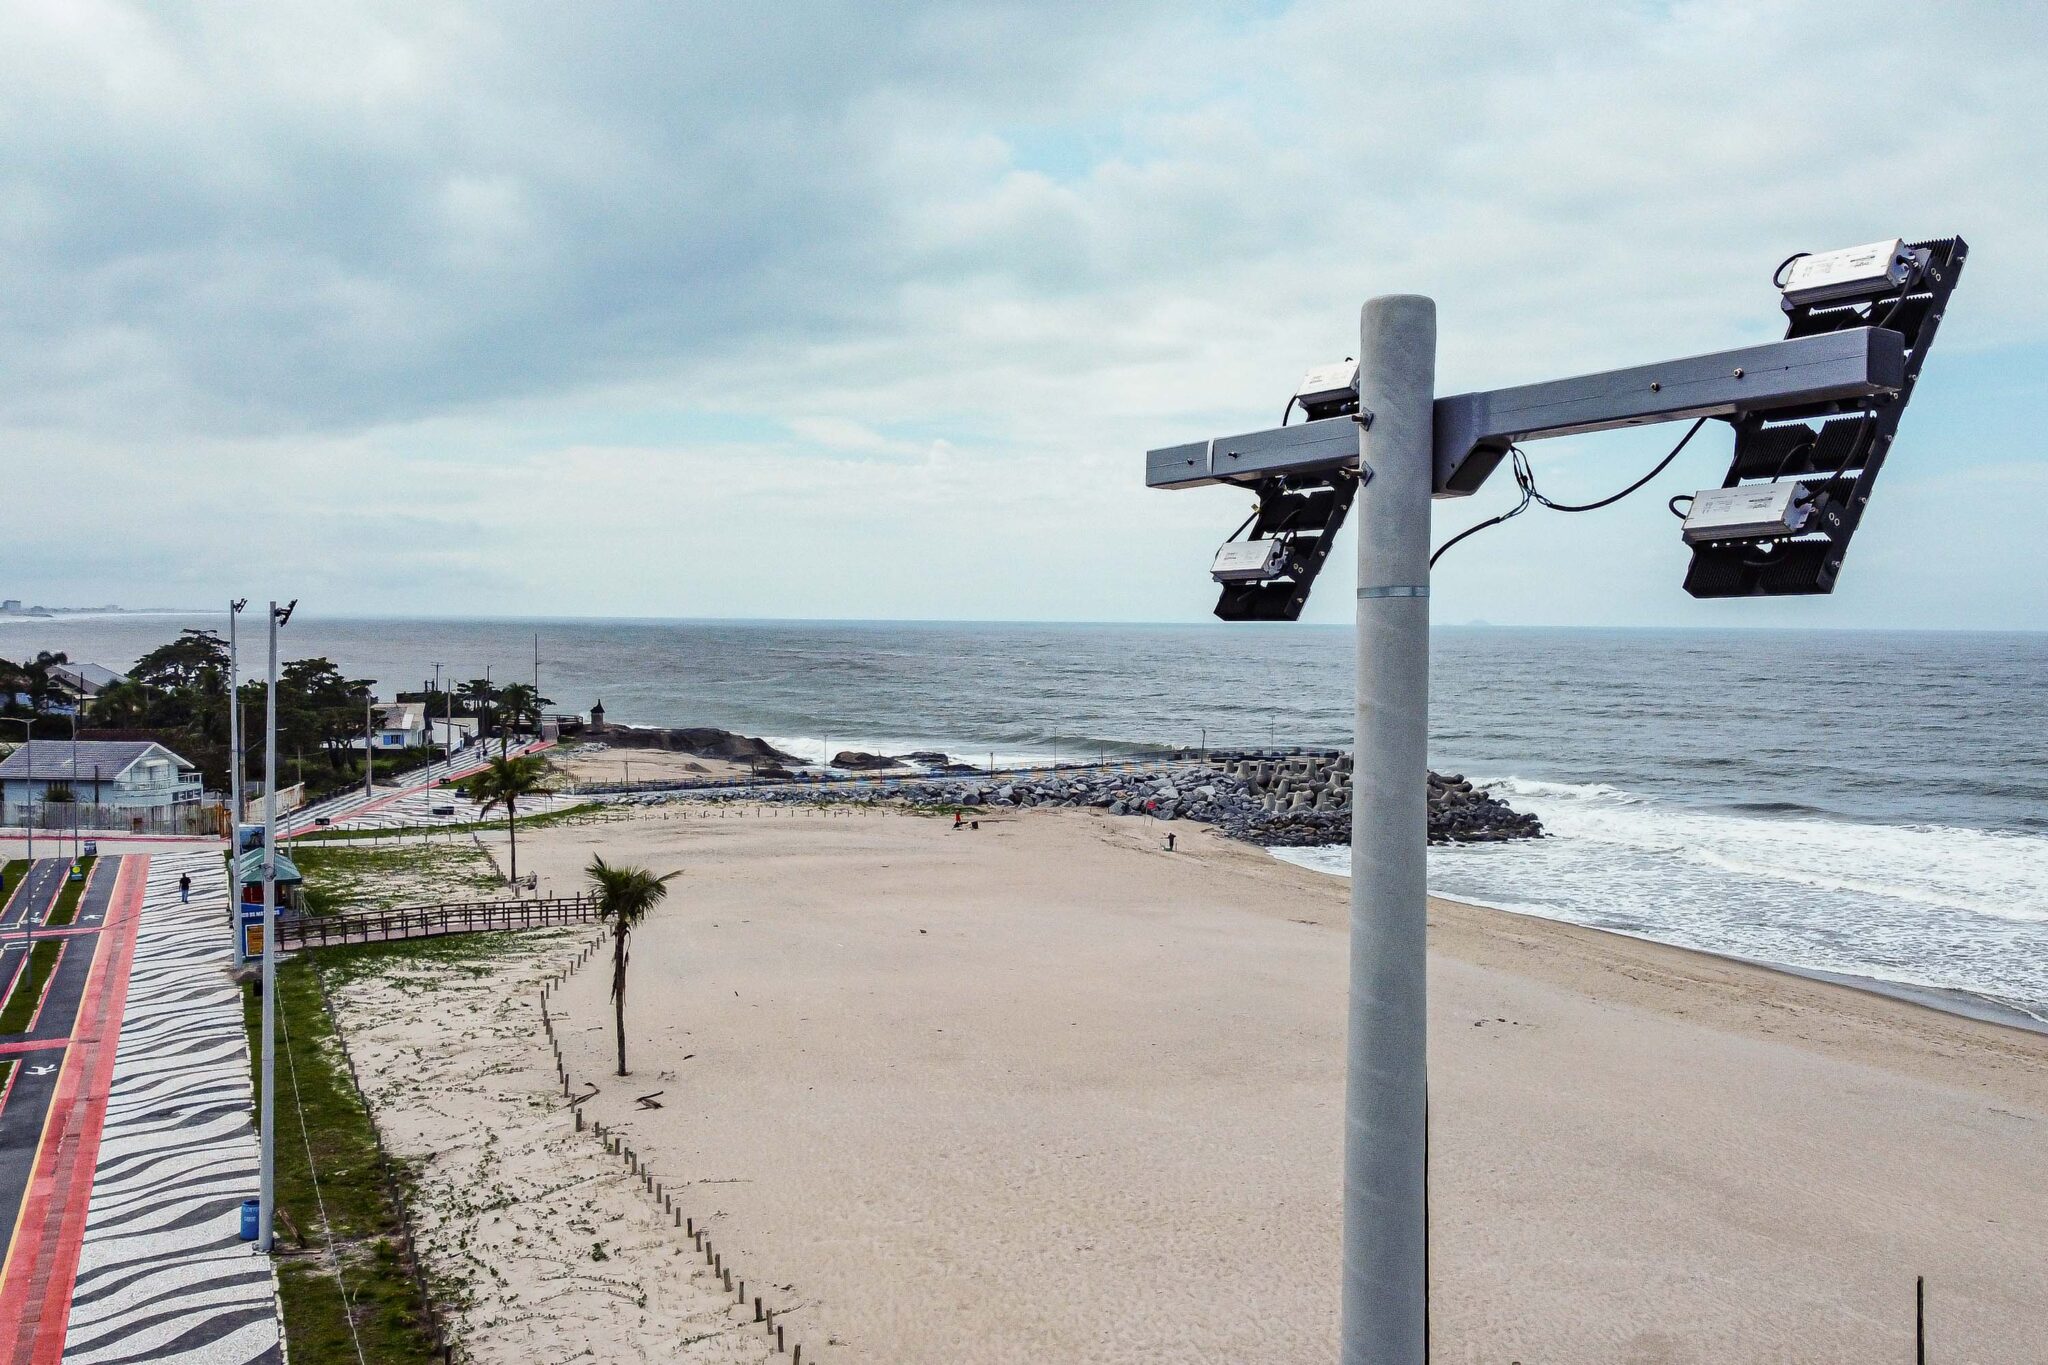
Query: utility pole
(447, 705)
(267, 1167)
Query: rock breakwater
(1271, 801)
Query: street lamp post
(267, 1170)
(73, 787)
(27, 741)
(28, 748)
(234, 731)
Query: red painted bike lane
(42, 1256)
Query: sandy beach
(1045, 1091)
(589, 763)
(543, 1246)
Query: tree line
(177, 694)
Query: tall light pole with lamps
(267, 1166)
(1813, 417)
(234, 731)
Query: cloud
(908, 287)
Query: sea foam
(1936, 906)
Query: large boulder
(855, 760)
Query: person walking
(184, 888)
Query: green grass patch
(340, 879)
(324, 1113)
(469, 954)
(11, 877)
(66, 908)
(585, 813)
(28, 991)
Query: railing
(432, 921)
(185, 818)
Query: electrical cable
(1778, 275)
(1520, 464)
(1525, 479)
(1662, 465)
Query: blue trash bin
(252, 1218)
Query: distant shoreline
(94, 614)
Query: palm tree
(625, 895)
(480, 699)
(521, 706)
(502, 782)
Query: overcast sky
(872, 310)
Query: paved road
(55, 1096)
(346, 808)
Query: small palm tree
(504, 782)
(625, 895)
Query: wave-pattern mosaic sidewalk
(164, 1275)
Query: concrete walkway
(163, 1274)
(126, 1147)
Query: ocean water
(1867, 803)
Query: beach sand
(545, 1247)
(1047, 1092)
(610, 765)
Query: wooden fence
(432, 921)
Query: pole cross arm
(1808, 375)
(1804, 376)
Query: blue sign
(249, 933)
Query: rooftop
(60, 760)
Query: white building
(452, 733)
(83, 681)
(133, 775)
(400, 725)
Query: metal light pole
(267, 1171)
(369, 753)
(448, 712)
(235, 730)
(28, 736)
(74, 782)
(1386, 1095)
